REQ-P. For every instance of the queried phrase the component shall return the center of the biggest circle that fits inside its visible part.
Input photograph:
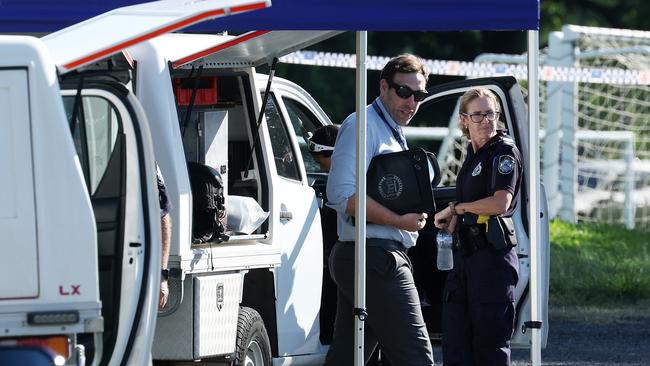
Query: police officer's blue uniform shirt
(341, 183)
(495, 166)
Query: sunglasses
(478, 117)
(405, 92)
(316, 148)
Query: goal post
(610, 119)
(595, 108)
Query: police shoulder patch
(506, 164)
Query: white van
(79, 222)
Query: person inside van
(321, 146)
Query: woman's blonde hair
(469, 96)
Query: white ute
(272, 273)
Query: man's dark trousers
(394, 315)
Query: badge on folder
(403, 181)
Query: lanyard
(396, 134)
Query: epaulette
(501, 137)
(508, 140)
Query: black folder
(402, 181)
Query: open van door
(118, 29)
(253, 48)
(440, 110)
(115, 153)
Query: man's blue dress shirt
(341, 183)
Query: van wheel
(253, 346)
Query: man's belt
(388, 244)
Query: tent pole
(533, 194)
(360, 209)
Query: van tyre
(253, 347)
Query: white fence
(595, 110)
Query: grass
(598, 264)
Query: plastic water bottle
(445, 242)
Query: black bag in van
(208, 209)
(403, 181)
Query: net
(609, 179)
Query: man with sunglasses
(394, 318)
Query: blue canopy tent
(28, 16)
(40, 16)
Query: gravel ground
(580, 336)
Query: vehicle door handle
(286, 215)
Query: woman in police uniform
(478, 309)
